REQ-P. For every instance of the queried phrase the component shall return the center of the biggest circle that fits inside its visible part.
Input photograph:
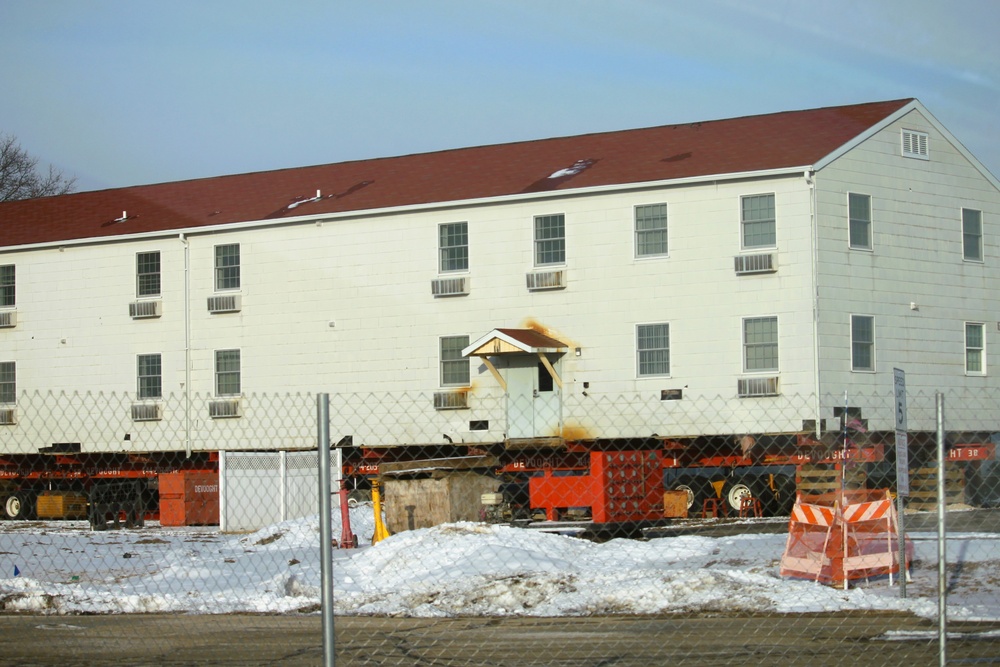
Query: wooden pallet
(923, 486)
(818, 478)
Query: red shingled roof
(752, 143)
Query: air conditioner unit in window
(226, 303)
(223, 408)
(450, 286)
(764, 263)
(8, 319)
(751, 387)
(451, 400)
(147, 412)
(8, 416)
(543, 280)
(138, 310)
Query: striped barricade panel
(873, 511)
(813, 515)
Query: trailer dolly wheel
(20, 505)
(733, 494)
(697, 489)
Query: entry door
(534, 404)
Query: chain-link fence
(469, 528)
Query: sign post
(902, 470)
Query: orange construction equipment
(834, 538)
(618, 486)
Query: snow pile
(449, 570)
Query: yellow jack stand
(380, 531)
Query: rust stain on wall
(535, 325)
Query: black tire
(20, 505)
(698, 490)
(784, 494)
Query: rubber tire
(698, 489)
(20, 505)
(785, 495)
(733, 492)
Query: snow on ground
(450, 570)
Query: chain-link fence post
(325, 536)
(942, 537)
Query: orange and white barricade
(844, 536)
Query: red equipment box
(189, 499)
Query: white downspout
(810, 177)
(187, 345)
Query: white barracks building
(711, 278)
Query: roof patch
(577, 167)
(560, 176)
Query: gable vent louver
(546, 280)
(753, 387)
(915, 144)
(748, 264)
(450, 286)
(226, 303)
(138, 310)
(8, 319)
(8, 416)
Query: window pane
(227, 266)
(454, 367)
(150, 376)
(973, 348)
(862, 343)
(8, 382)
(454, 246)
(227, 372)
(758, 221)
(860, 220)
(7, 285)
(760, 343)
(972, 234)
(147, 274)
(550, 239)
(651, 230)
(653, 345)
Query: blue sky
(123, 92)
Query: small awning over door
(516, 341)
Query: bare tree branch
(20, 177)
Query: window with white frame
(757, 221)
(453, 246)
(149, 376)
(862, 343)
(860, 220)
(8, 382)
(914, 144)
(650, 230)
(147, 274)
(972, 234)
(454, 367)
(975, 348)
(227, 266)
(227, 373)
(7, 294)
(652, 343)
(550, 239)
(760, 344)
